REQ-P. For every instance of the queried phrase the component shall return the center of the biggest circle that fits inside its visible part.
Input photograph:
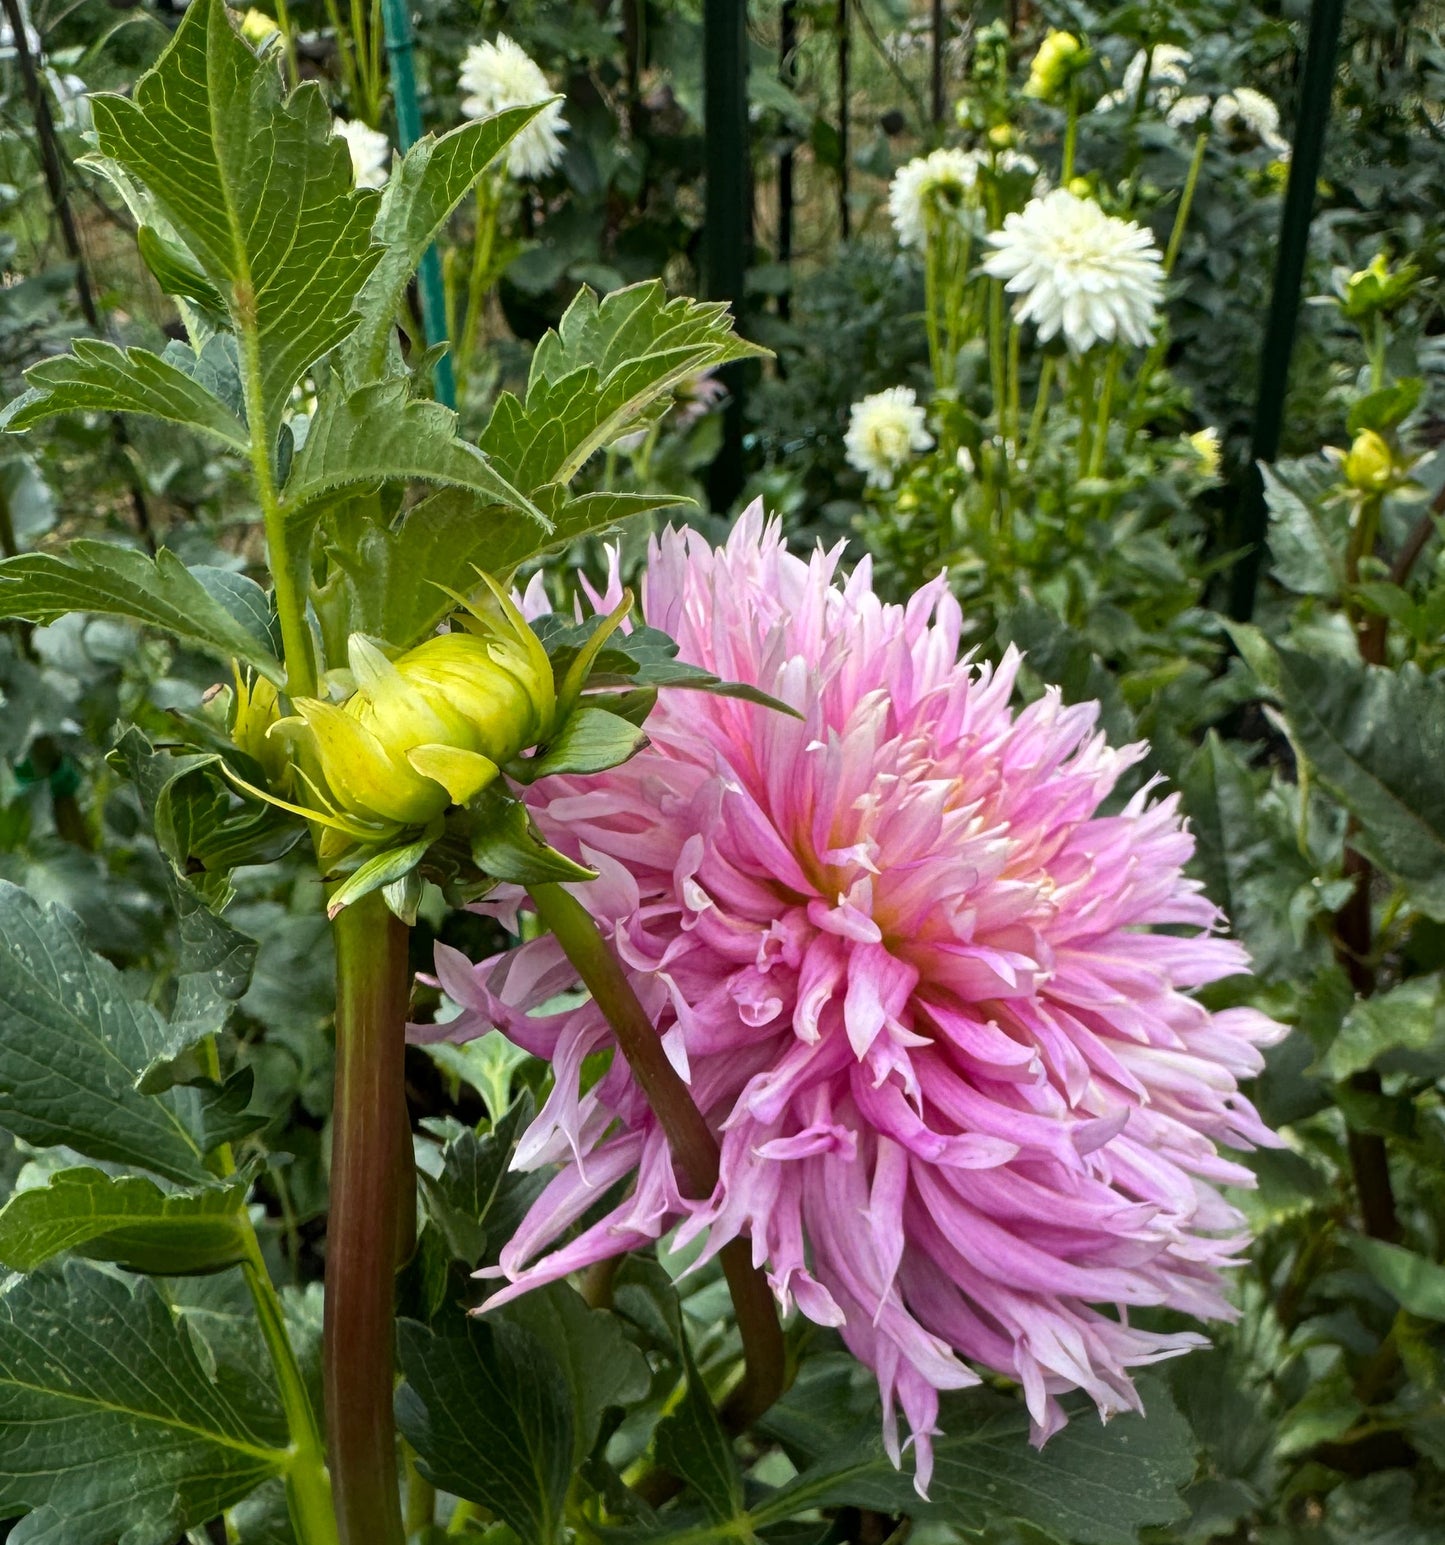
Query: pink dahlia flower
(963, 1093)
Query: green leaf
(101, 378)
(591, 740)
(489, 1413)
(600, 373)
(473, 1179)
(1302, 544)
(1246, 852)
(257, 187)
(395, 576)
(603, 1367)
(645, 657)
(433, 177)
(1407, 1018)
(507, 846)
(1384, 409)
(176, 271)
(127, 1219)
(72, 1045)
(159, 592)
(376, 435)
(1376, 737)
(1090, 1484)
(1413, 1281)
(1064, 658)
(380, 870)
(692, 1445)
(110, 1427)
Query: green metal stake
(727, 233)
(1316, 88)
(396, 21)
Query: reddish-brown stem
(694, 1148)
(371, 1191)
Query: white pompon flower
(1187, 111)
(370, 152)
(1251, 111)
(1168, 67)
(940, 180)
(885, 431)
(501, 75)
(1078, 271)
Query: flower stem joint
(428, 729)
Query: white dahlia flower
(940, 180)
(884, 432)
(370, 152)
(1187, 111)
(1253, 113)
(1078, 271)
(501, 75)
(1168, 68)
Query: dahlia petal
(969, 1110)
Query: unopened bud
(1057, 58)
(431, 728)
(257, 26)
(255, 708)
(1205, 444)
(1370, 464)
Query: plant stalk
(694, 1148)
(308, 1489)
(371, 1188)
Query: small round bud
(1369, 464)
(1058, 57)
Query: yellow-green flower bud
(256, 708)
(1081, 187)
(1370, 464)
(1056, 60)
(257, 26)
(431, 728)
(1205, 445)
(1002, 137)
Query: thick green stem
(371, 1188)
(694, 1148)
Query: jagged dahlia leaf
(214, 610)
(101, 378)
(257, 187)
(607, 366)
(376, 434)
(110, 1426)
(432, 178)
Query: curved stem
(694, 1148)
(370, 1190)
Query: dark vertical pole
(726, 231)
(787, 43)
(396, 23)
(53, 166)
(1316, 88)
(938, 42)
(845, 219)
